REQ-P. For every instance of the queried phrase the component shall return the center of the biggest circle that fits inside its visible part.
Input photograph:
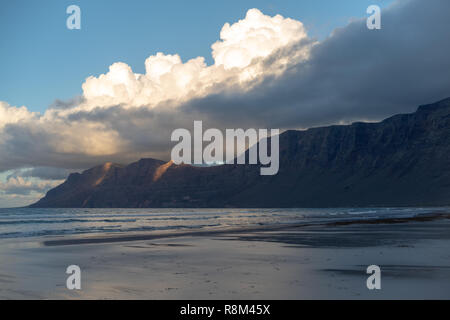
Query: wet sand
(312, 261)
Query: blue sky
(41, 60)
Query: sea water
(30, 222)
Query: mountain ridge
(403, 160)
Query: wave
(24, 223)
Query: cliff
(401, 161)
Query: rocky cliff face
(401, 161)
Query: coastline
(308, 262)
(74, 240)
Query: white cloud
(168, 78)
(256, 36)
(10, 114)
(23, 186)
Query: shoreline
(224, 231)
(314, 261)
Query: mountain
(401, 161)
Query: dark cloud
(67, 104)
(355, 74)
(44, 173)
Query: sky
(39, 50)
(137, 70)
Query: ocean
(30, 222)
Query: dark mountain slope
(401, 161)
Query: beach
(301, 261)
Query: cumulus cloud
(237, 62)
(10, 114)
(255, 36)
(22, 186)
(267, 73)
